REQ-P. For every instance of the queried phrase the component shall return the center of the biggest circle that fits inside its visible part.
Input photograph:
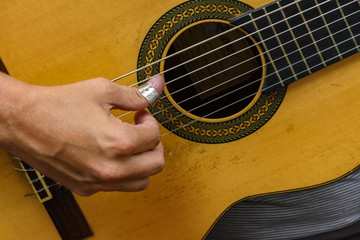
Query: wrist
(14, 98)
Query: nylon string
(258, 43)
(213, 37)
(253, 94)
(257, 68)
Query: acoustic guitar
(233, 126)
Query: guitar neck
(302, 37)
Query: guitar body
(312, 139)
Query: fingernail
(154, 81)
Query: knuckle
(114, 146)
(141, 185)
(135, 95)
(83, 191)
(160, 165)
(123, 147)
(157, 136)
(126, 146)
(103, 82)
(109, 173)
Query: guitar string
(218, 35)
(37, 179)
(283, 44)
(43, 189)
(56, 184)
(47, 187)
(250, 84)
(258, 43)
(254, 57)
(20, 169)
(251, 95)
(319, 64)
(30, 182)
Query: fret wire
(295, 40)
(281, 45)
(247, 60)
(183, 50)
(237, 90)
(257, 43)
(286, 30)
(240, 26)
(234, 102)
(241, 74)
(251, 70)
(328, 29)
(311, 35)
(197, 57)
(197, 44)
(266, 50)
(347, 24)
(290, 29)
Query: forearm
(49, 128)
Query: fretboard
(301, 37)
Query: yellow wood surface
(312, 139)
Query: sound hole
(207, 87)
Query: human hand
(68, 133)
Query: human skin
(50, 129)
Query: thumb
(130, 98)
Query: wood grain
(312, 139)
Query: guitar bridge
(37, 182)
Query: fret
(315, 25)
(336, 21)
(278, 31)
(267, 39)
(272, 44)
(300, 37)
(272, 79)
(320, 33)
(293, 46)
(352, 19)
(303, 35)
(311, 34)
(288, 42)
(347, 25)
(324, 17)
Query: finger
(132, 167)
(144, 164)
(130, 98)
(133, 185)
(122, 175)
(144, 135)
